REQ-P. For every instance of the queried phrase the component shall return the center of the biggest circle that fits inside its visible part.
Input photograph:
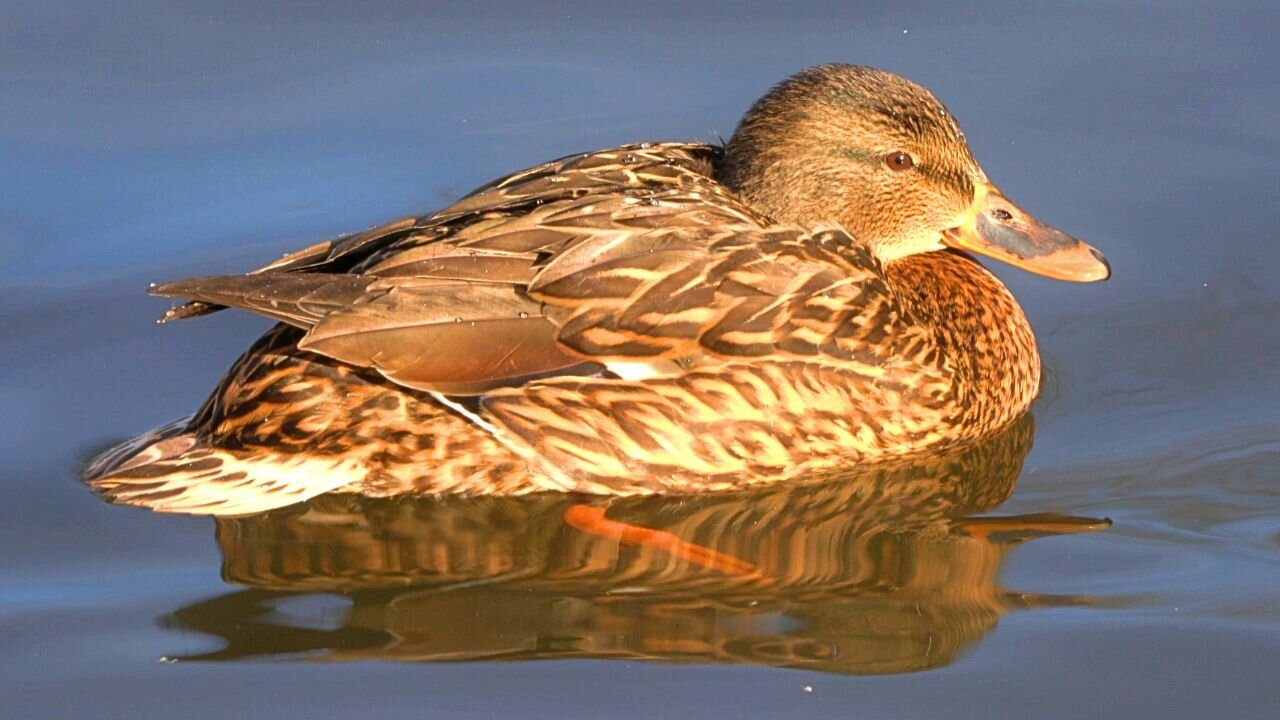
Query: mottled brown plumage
(654, 318)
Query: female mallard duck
(655, 318)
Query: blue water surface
(147, 141)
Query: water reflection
(877, 572)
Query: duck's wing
(638, 169)
(633, 260)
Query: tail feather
(170, 470)
(165, 441)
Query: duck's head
(881, 156)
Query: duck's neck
(981, 330)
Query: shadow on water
(885, 571)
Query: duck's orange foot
(591, 520)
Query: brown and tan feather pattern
(616, 322)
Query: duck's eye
(899, 160)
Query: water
(149, 142)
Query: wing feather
(298, 299)
(458, 338)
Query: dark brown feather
(300, 299)
(331, 256)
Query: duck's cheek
(909, 242)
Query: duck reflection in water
(883, 571)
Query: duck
(659, 318)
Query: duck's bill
(1002, 230)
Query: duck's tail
(171, 470)
(164, 441)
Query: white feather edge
(551, 478)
